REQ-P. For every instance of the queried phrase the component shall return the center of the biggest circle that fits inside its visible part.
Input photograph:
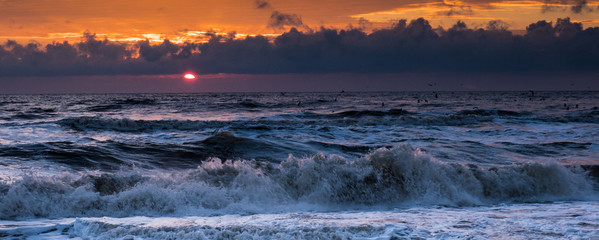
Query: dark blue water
(182, 155)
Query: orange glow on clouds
(189, 21)
(517, 14)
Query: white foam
(560, 220)
(401, 176)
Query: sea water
(341, 165)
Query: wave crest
(386, 177)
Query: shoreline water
(518, 221)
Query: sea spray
(400, 176)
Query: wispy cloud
(282, 20)
(279, 20)
(576, 6)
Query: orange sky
(186, 20)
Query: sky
(183, 20)
(61, 46)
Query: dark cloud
(458, 9)
(62, 52)
(363, 24)
(579, 5)
(364, 21)
(281, 20)
(414, 46)
(497, 25)
(154, 53)
(565, 29)
(576, 6)
(94, 49)
(262, 4)
(456, 12)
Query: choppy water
(300, 165)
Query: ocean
(335, 165)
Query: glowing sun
(189, 77)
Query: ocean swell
(391, 117)
(128, 125)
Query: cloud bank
(413, 46)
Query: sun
(189, 77)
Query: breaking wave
(398, 176)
